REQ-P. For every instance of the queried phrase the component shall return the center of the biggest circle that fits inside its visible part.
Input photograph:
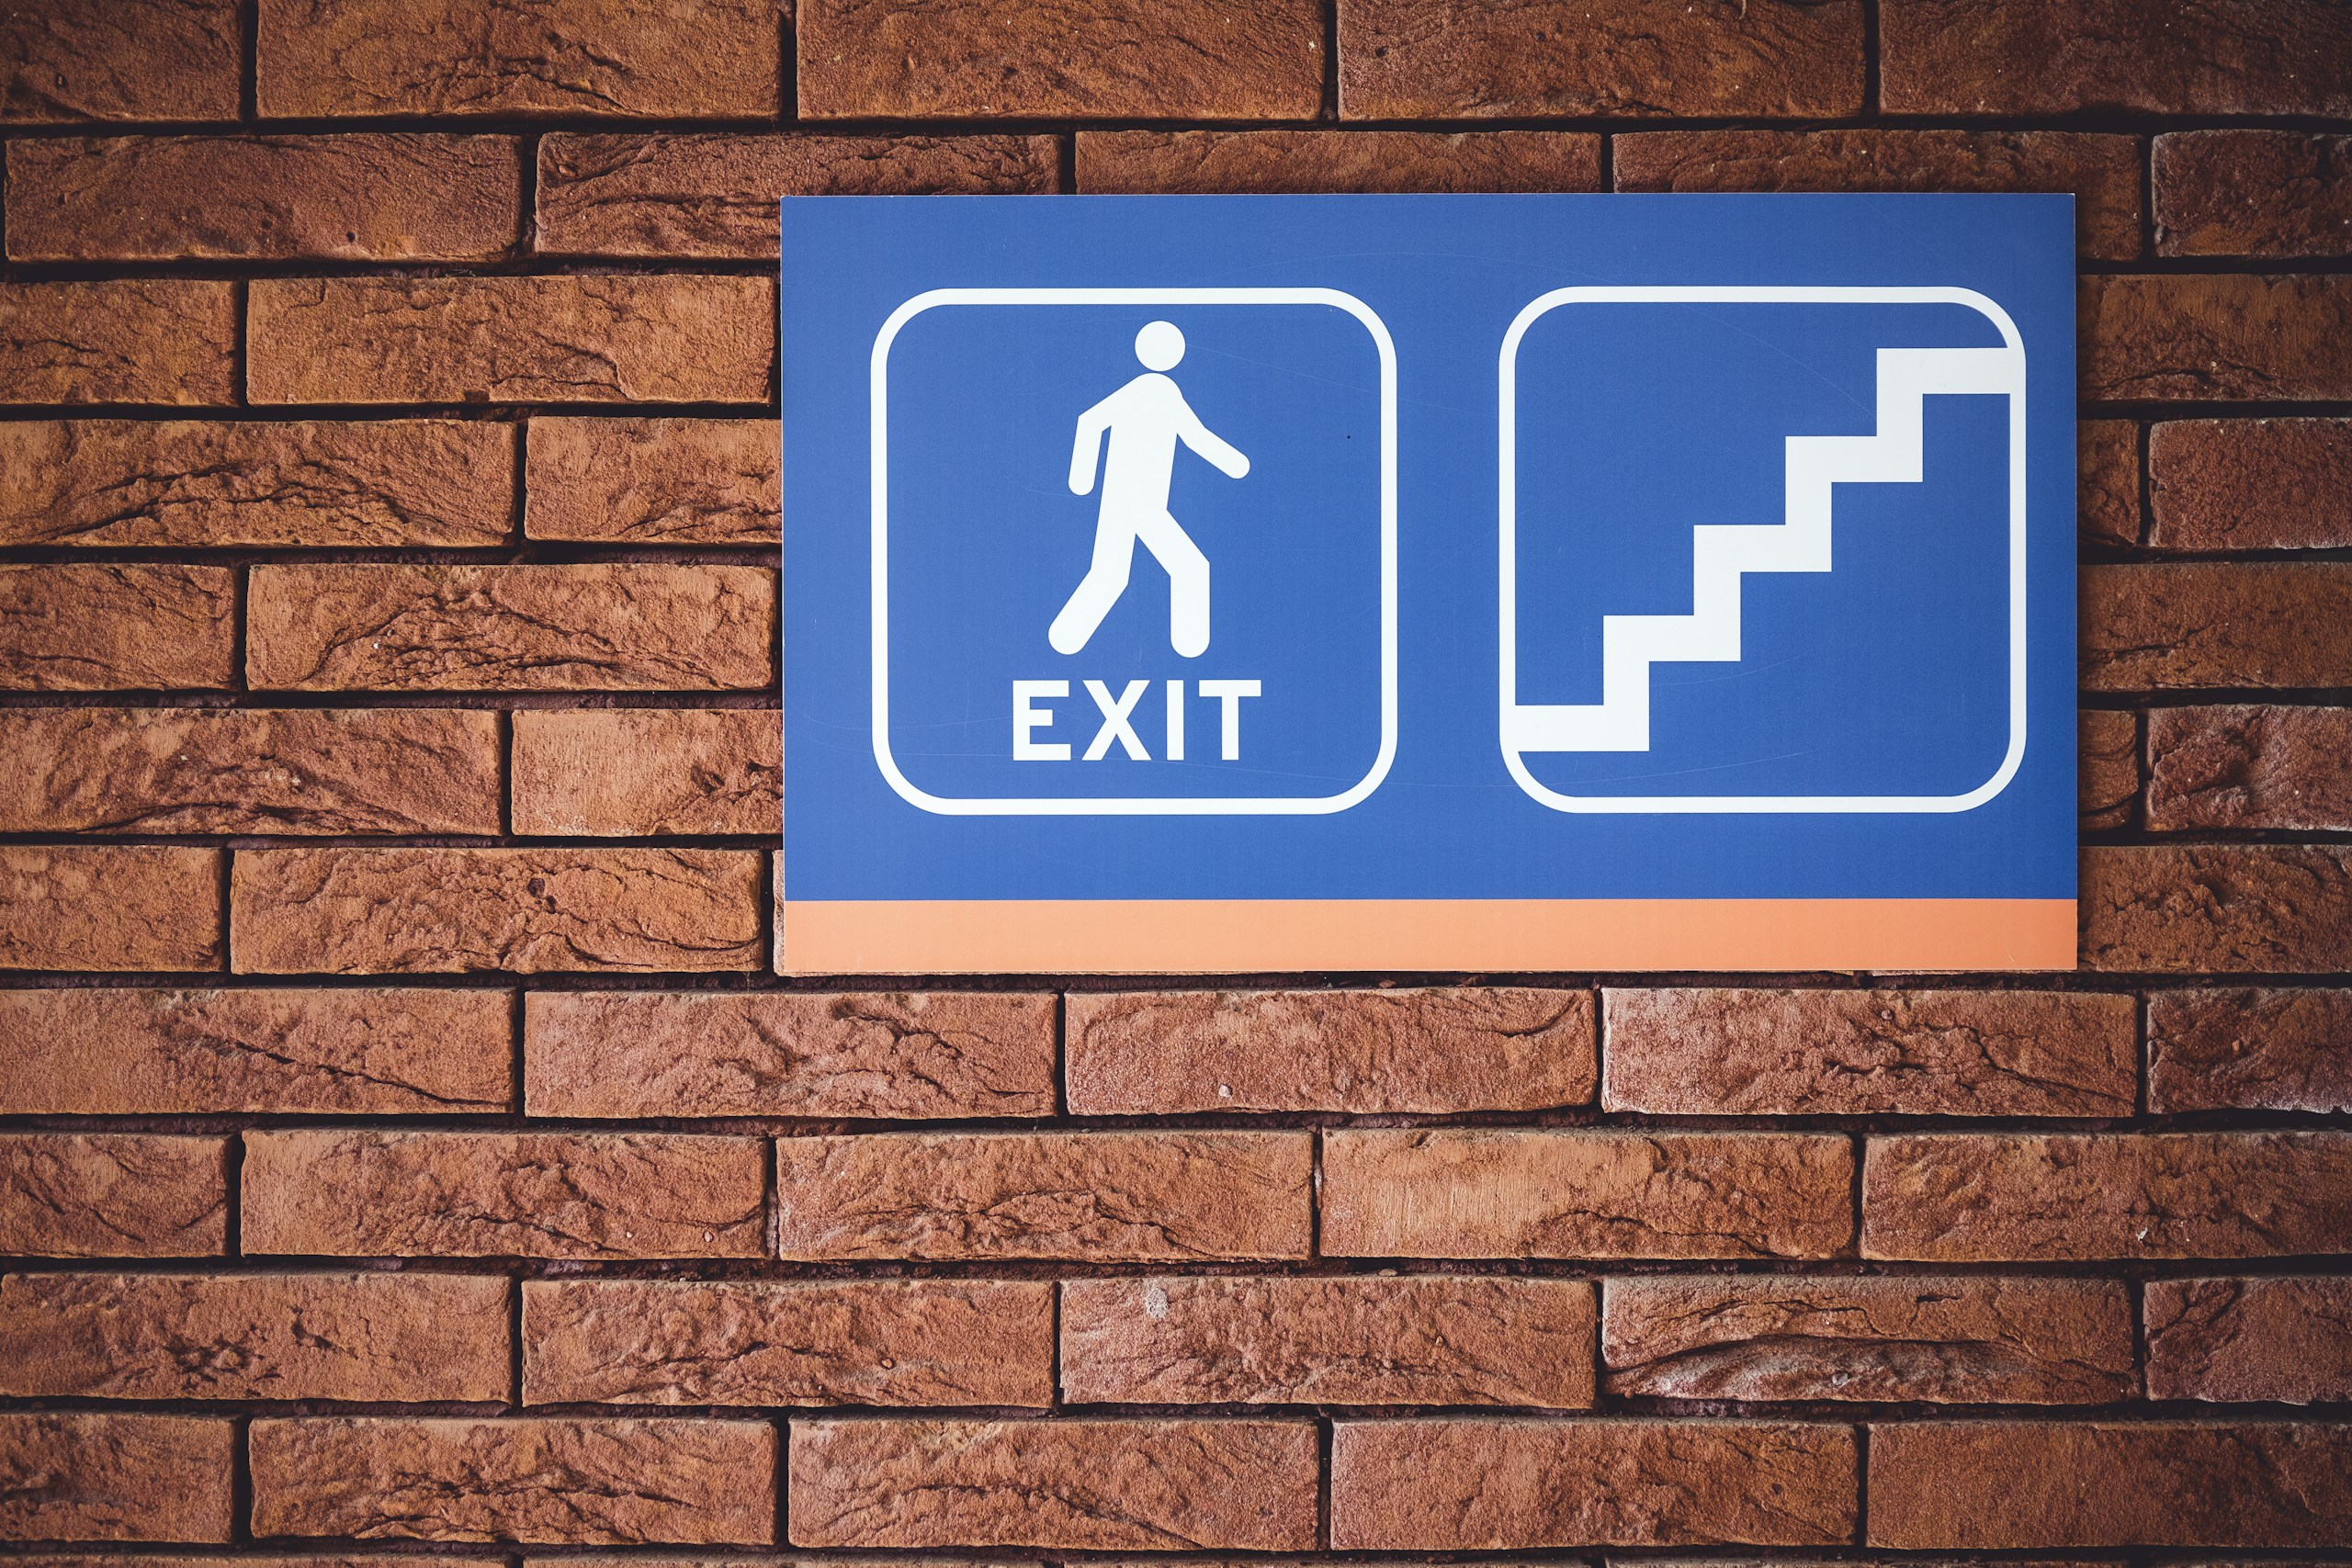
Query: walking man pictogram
(1145, 420)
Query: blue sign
(1427, 583)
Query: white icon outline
(1511, 712)
(1138, 806)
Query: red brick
(1354, 1340)
(667, 338)
(2039, 1197)
(2249, 767)
(112, 1195)
(374, 1337)
(715, 192)
(2194, 57)
(2108, 747)
(1920, 1338)
(758, 1343)
(248, 771)
(2251, 484)
(63, 60)
(2202, 337)
(2107, 471)
(502, 1194)
(87, 1051)
(2250, 1050)
(1465, 1484)
(623, 1053)
(82, 907)
(1478, 1193)
(146, 340)
(375, 198)
(2225, 909)
(89, 1477)
(1368, 1052)
(2102, 173)
(586, 1482)
(356, 911)
(1988, 1485)
(108, 482)
(2253, 193)
(1114, 59)
(1437, 60)
(2288, 1340)
(1813, 1053)
(621, 772)
(718, 59)
(655, 482)
(1097, 1197)
(89, 628)
(1115, 162)
(1067, 1484)
(2203, 624)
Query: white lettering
(1028, 718)
(1230, 693)
(1115, 721)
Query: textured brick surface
(2192, 338)
(2249, 767)
(2198, 624)
(665, 482)
(866, 1054)
(2238, 1340)
(501, 1194)
(1117, 162)
(77, 907)
(2257, 1050)
(367, 1052)
(1155, 1054)
(93, 1477)
(157, 340)
(112, 1195)
(1104, 1485)
(2251, 484)
(2107, 747)
(2253, 193)
(81, 628)
(848, 1342)
(1431, 1340)
(2228, 908)
(63, 60)
(619, 772)
(2107, 467)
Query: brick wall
(408, 1147)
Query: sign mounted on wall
(1427, 583)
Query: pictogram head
(1160, 346)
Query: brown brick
(370, 197)
(1435, 60)
(2199, 57)
(823, 1342)
(2106, 472)
(1077, 1485)
(1814, 1052)
(355, 912)
(515, 340)
(2249, 767)
(85, 628)
(587, 1481)
(1477, 1193)
(619, 772)
(70, 60)
(1369, 1051)
(2199, 337)
(2226, 909)
(110, 1052)
(502, 1194)
(1469, 1483)
(1947, 1340)
(90, 1477)
(2251, 484)
(659, 481)
(378, 1337)
(2034, 1197)
(248, 771)
(112, 1195)
(715, 192)
(718, 59)
(1113, 59)
(2252, 1050)
(108, 482)
(2106, 745)
(624, 1053)
(1354, 1340)
(2102, 173)
(84, 907)
(1117, 162)
(1971, 1484)
(2237, 1341)
(1098, 1197)
(2200, 624)
(2253, 193)
(142, 340)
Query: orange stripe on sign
(1215, 935)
